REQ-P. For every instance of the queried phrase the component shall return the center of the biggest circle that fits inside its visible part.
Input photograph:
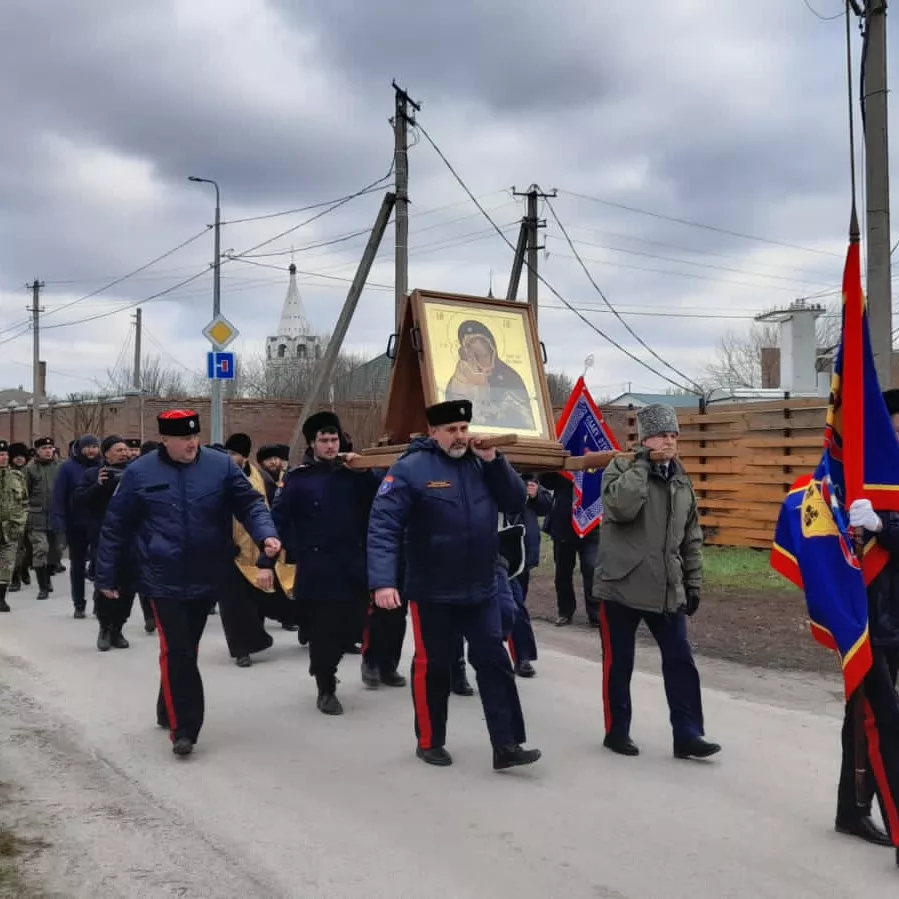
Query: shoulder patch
(386, 485)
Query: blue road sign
(220, 366)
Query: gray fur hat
(656, 419)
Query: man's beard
(457, 451)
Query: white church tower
(294, 343)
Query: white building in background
(294, 342)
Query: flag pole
(862, 791)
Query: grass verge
(727, 568)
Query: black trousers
(522, 643)
(565, 556)
(113, 613)
(334, 625)
(79, 547)
(385, 631)
(880, 709)
(146, 608)
(180, 624)
(618, 630)
(435, 627)
(243, 618)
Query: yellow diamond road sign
(220, 332)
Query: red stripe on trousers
(606, 664)
(512, 653)
(880, 773)
(164, 673)
(366, 634)
(420, 682)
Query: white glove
(862, 515)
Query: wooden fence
(743, 458)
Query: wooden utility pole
(529, 236)
(37, 382)
(402, 118)
(877, 183)
(325, 369)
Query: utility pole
(402, 118)
(325, 369)
(529, 237)
(135, 372)
(877, 183)
(37, 381)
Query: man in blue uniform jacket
(437, 510)
(172, 514)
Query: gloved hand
(692, 602)
(641, 456)
(862, 515)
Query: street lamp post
(215, 423)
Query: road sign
(220, 332)
(220, 366)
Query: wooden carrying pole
(386, 459)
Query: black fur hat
(321, 421)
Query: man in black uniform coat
(174, 511)
(322, 513)
(880, 704)
(438, 510)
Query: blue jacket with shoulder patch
(175, 522)
(437, 517)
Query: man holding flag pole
(837, 538)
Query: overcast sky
(733, 120)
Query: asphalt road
(280, 801)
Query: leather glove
(692, 602)
(862, 515)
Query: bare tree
(81, 413)
(560, 386)
(156, 380)
(740, 354)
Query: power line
(271, 215)
(691, 224)
(823, 18)
(543, 280)
(612, 309)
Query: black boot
(513, 756)
(370, 676)
(104, 640)
(4, 606)
(117, 639)
(149, 625)
(460, 685)
(621, 744)
(858, 823)
(42, 579)
(436, 755)
(695, 748)
(16, 583)
(329, 704)
(392, 678)
(25, 575)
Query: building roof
(14, 395)
(368, 381)
(678, 400)
(293, 321)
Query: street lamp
(215, 424)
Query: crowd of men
(344, 555)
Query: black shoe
(118, 641)
(863, 827)
(79, 612)
(4, 605)
(525, 669)
(392, 679)
(15, 585)
(461, 687)
(25, 577)
(104, 640)
(564, 620)
(436, 755)
(243, 662)
(697, 748)
(370, 676)
(149, 625)
(513, 756)
(329, 704)
(289, 627)
(49, 584)
(302, 636)
(42, 578)
(183, 746)
(621, 744)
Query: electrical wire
(540, 277)
(822, 17)
(611, 308)
(271, 215)
(691, 224)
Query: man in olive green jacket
(13, 515)
(650, 569)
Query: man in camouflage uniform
(40, 474)
(13, 515)
(18, 459)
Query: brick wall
(266, 421)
